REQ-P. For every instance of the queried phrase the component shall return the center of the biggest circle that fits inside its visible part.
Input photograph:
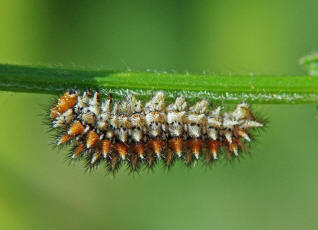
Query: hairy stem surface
(220, 88)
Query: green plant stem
(220, 88)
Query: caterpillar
(126, 131)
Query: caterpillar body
(127, 131)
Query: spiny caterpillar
(120, 131)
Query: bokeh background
(277, 188)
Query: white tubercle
(251, 124)
(87, 128)
(94, 158)
(94, 104)
(235, 151)
(180, 104)
(244, 135)
(240, 112)
(228, 137)
(200, 107)
(212, 133)
(63, 119)
(227, 123)
(157, 103)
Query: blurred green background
(275, 189)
